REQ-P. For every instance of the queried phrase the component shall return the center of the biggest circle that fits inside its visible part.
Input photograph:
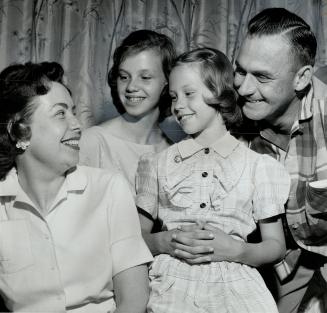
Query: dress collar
(224, 146)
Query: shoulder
(270, 168)
(91, 132)
(319, 90)
(155, 160)
(98, 177)
(160, 154)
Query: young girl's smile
(189, 95)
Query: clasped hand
(202, 243)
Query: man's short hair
(274, 21)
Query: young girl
(138, 81)
(214, 187)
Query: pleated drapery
(82, 35)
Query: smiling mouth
(135, 99)
(71, 143)
(252, 101)
(184, 117)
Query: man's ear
(302, 78)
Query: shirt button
(206, 150)
(204, 174)
(202, 205)
(295, 226)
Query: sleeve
(271, 188)
(147, 193)
(127, 245)
(90, 149)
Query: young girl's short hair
(133, 44)
(218, 76)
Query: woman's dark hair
(275, 21)
(19, 84)
(217, 75)
(134, 43)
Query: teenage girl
(214, 187)
(138, 81)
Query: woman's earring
(22, 145)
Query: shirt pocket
(15, 246)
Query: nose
(177, 105)
(132, 85)
(74, 123)
(245, 84)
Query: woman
(65, 231)
(138, 82)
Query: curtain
(82, 35)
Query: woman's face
(140, 82)
(55, 131)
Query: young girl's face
(140, 82)
(188, 94)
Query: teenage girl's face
(140, 82)
(188, 94)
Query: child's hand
(225, 247)
(205, 243)
(191, 243)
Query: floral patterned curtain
(82, 35)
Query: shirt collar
(224, 146)
(76, 180)
(305, 113)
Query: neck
(40, 186)
(283, 124)
(212, 133)
(142, 130)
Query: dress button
(206, 150)
(202, 205)
(204, 174)
(177, 159)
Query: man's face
(264, 77)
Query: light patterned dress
(228, 186)
(98, 148)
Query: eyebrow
(143, 70)
(255, 73)
(63, 105)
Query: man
(273, 76)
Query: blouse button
(177, 159)
(204, 174)
(202, 205)
(206, 150)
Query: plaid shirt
(304, 154)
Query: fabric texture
(83, 34)
(304, 154)
(66, 259)
(226, 185)
(305, 158)
(98, 148)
